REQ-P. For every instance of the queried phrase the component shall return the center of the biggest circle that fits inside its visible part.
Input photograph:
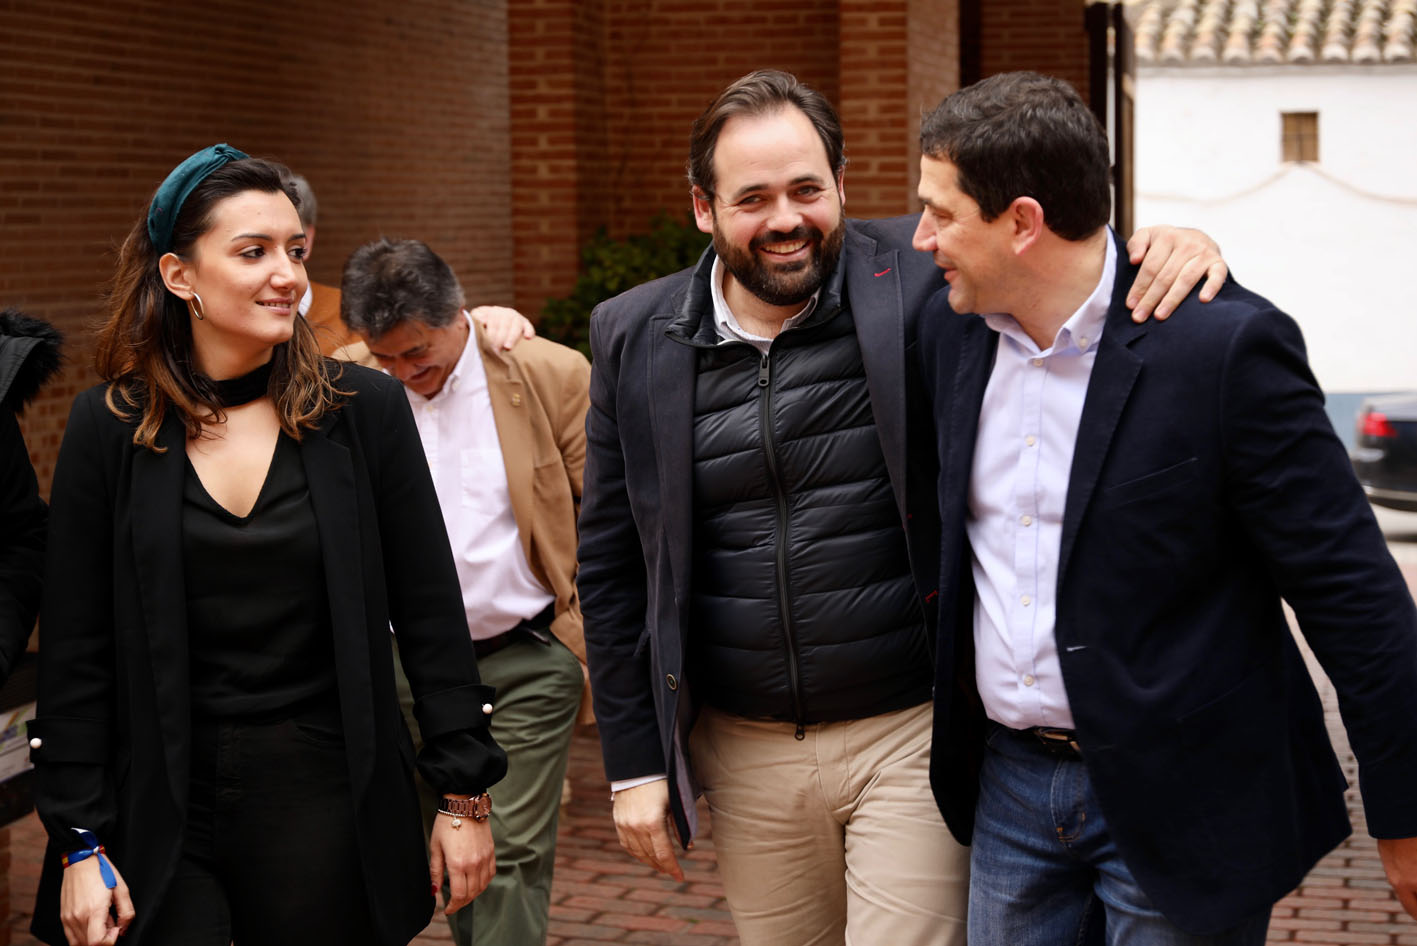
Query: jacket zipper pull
(764, 371)
(800, 734)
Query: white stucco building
(1331, 237)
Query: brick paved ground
(602, 896)
(1346, 899)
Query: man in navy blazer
(1130, 734)
(757, 555)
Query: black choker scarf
(233, 392)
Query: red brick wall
(396, 113)
(668, 62)
(1046, 36)
(639, 73)
(555, 121)
(502, 133)
(898, 60)
(933, 56)
(874, 100)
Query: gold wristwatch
(478, 808)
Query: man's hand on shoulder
(1400, 861)
(504, 327)
(642, 823)
(1173, 260)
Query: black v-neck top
(258, 620)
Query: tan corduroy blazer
(323, 317)
(540, 392)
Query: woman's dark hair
(145, 343)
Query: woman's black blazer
(110, 740)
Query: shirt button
(1038, 362)
(487, 709)
(1030, 440)
(1026, 600)
(1028, 680)
(36, 742)
(1026, 520)
(1082, 341)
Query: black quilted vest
(803, 607)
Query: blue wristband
(94, 849)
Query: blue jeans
(1043, 868)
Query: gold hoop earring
(195, 306)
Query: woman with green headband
(235, 525)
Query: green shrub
(609, 267)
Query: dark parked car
(1385, 456)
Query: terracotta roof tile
(1398, 35)
(1274, 32)
(1246, 32)
(1307, 22)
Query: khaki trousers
(834, 838)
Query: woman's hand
(84, 905)
(466, 853)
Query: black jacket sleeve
(1295, 491)
(29, 357)
(77, 663)
(612, 577)
(426, 610)
(22, 522)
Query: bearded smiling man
(770, 268)
(759, 546)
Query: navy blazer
(1206, 485)
(636, 545)
(113, 720)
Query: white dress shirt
(464, 453)
(1018, 487)
(730, 329)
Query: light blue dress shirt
(1018, 487)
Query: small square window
(1300, 137)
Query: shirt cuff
(624, 784)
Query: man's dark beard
(788, 284)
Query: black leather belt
(1058, 742)
(488, 646)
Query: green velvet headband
(162, 215)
